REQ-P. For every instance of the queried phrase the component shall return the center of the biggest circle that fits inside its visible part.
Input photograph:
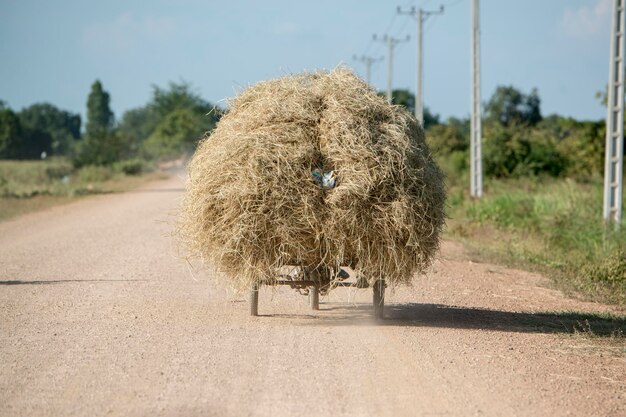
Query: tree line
(169, 125)
(517, 139)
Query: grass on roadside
(27, 186)
(552, 225)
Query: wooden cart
(313, 282)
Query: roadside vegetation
(542, 202)
(27, 186)
(47, 158)
(554, 226)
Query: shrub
(95, 173)
(59, 170)
(519, 151)
(134, 166)
(611, 269)
(584, 146)
(99, 150)
(447, 138)
(177, 133)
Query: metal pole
(419, 96)
(476, 169)
(391, 43)
(420, 16)
(389, 66)
(614, 155)
(368, 61)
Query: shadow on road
(64, 281)
(438, 315)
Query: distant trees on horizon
(168, 125)
(517, 139)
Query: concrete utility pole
(421, 16)
(614, 157)
(391, 43)
(476, 168)
(368, 61)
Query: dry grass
(252, 205)
(29, 186)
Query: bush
(58, 170)
(611, 269)
(95, 173)
(177, 133)
(519, 151)
(447, 138)
(134, 166)
(584, 146)
(99, 150)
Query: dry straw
(252, 205)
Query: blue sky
(53, 51)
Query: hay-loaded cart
(319, 281)
(308, 174)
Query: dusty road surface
(98, 317)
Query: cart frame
(314, 287)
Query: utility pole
(476, 168)
(614, 156)
(420, 16)
(391, 43)
(368, 61)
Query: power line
(453, 3)
(376, 51)
(387, 30)
(428, 26)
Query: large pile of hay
(253, 206)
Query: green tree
(516, 151)
(403, 97)
(453, 136)
(18, 142)
(430, 119)
(178, 132)
(582, 143)
(177, 96)
(449, 143)
(99, 115)
(101, 145)
(509, 106)
(63, 127)
(10, 134)
(136, 125)
(139, 123)
(173, 122)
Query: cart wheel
(254, 300)
(379, 299)
(314, 297)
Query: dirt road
(99, 317)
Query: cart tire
(254, 300)
(379, 299)
(314, 297)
